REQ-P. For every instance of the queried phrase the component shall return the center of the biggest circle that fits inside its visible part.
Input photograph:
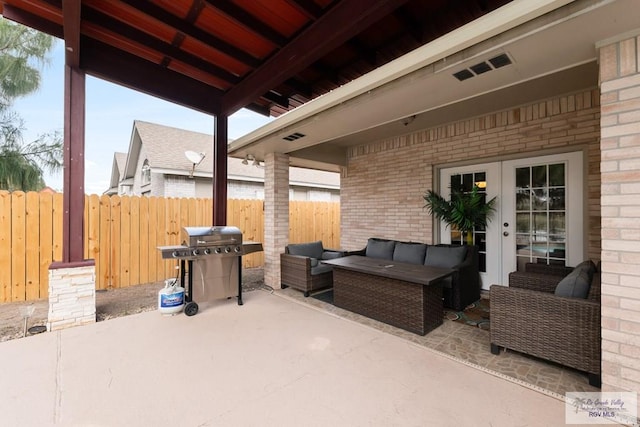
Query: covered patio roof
(547, 53)
(219, 56)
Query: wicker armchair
(301, 267)
(528, 317)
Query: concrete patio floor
(272, 361)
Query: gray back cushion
(409, 252)
(577, 283)
(312, 250)
(380, 248)
(445, 256)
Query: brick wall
(620, 86)
(383, 184)
(276, 215)
(179, 186)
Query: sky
(109, 115)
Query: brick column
(276, 215)
(620, 169)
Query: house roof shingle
(165, 148)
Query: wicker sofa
(301, 269)
(530, 318)
(462, 289)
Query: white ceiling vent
(294, 136)
(483, 67)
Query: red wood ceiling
(221, 55)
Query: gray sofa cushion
(445, 256)
(312, 250)
(331, 255)
(314, 262)
(577, 283)
(380, 248)
(409, 252)
(321, 268)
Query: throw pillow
(445, 256)
(312, 250)
(380, 248)
(575, 285)
(588, 266)
(409, 252)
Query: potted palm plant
(465, 211)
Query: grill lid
(207, 236)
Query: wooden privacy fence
(121, 233)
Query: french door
(539, 212)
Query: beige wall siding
(383, 184)
(620, 76)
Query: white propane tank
(171, 297)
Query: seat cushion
(380, 248)
(320, 268)
(312, 250)
(331, 255)
(445, 256)
(577, 283)
(409, 252)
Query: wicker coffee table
(407, 296)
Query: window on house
(146, 173)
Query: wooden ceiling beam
(71, 10)
(345, 20)
(128, 32)
(310, 9)
(260, 109)
(299, 87)
(367, 54)
(276, 98)
(178, 24)
(34, 21)
(248, 21)
(411, 24)
(117, 66)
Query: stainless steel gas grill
(210, 262)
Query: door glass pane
(540, 215)
(523, 200)
(523, 178)
(523, 222)
(539, 199)
(556, 224)
(556, 199)
(539, 176)
(467, 182)
(556, 175)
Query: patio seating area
(471, 346)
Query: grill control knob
(175, 254)
(237, 249)
(207, 251)
(218, 250)
(196, 252)
(227, 250)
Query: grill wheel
(191, 309)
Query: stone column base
(72, 294)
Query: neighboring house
(156, 165)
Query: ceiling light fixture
(248, 158)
